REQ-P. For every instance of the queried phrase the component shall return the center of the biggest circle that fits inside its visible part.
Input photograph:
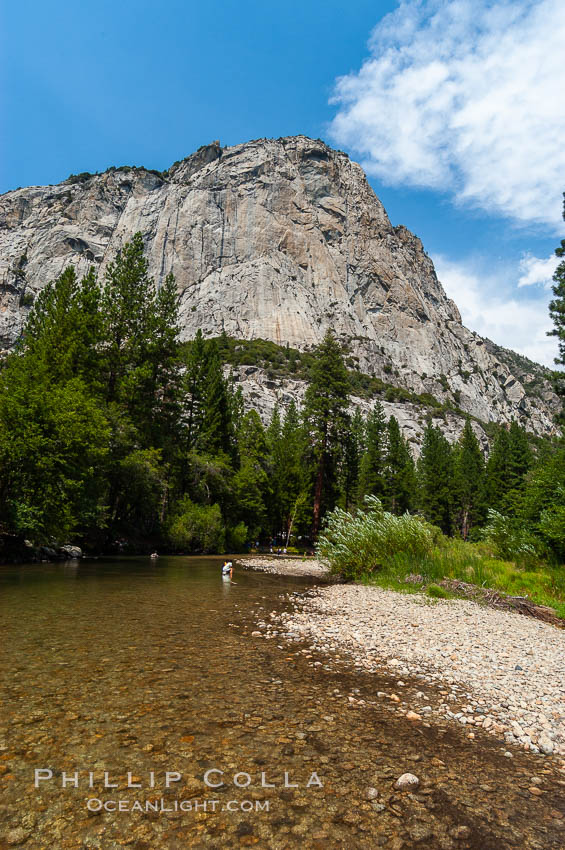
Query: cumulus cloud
(534, 271)
(488, 307)
(464, 96)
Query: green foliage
(435, 478)
(557, 309)
(237, 537)
(251, 484)
(53, 445)
(197, 528)
(542, 505)
(510, 539)
(509, 461)
(141, 481)
(354, 544)
(399, 471)
(390, 558)
(437, 592)
(110, 428)
(468, 482)
(325, 417)
(372, 472)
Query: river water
(145, 675)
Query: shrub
(510, 540)
(237, 537)
(356, 544)
(197, 528)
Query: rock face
(278, 239)
(263, 393)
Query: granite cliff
(279, 239)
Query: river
(145, 675)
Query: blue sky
(454, 107)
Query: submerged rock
(407, 782)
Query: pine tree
(353, 451)
(290, 482)
(399, 471)
(325, 408)
(435, 475)
(519, 456)
(161, 391)
(216, 433)
(63, 328)
(497, 470)
(251, 482)
(194, 390)
(127, 296)
(372, 474)
(557, 311)
(469, 482)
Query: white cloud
(487, 309)
(536, 271)
(464, 96)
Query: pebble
(407, 781)
(471, 650)
(17, 836)
(411, 715)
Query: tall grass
(366, 541)
(376, 547)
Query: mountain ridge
(277, 239)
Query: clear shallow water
(142, 667)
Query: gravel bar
(283, 565)
(506, 671)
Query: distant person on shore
(154, 555)
(227, 569)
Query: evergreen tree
(372, 473)
(542, 503)
(519, 456)
(497, 470)
(353, 451)
(194, 390)
(435, 474)
(399, 471)
(161, 390)
(507, 466)
(64, 327)
(469, 482)
(251, 482)
(557, 311)
(274, 439)
(126, 306)
(216, 432)
(325, 408)
(290, 481)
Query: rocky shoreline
(485, 669)
(284, 565)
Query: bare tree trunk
(292, 518)
(465, 523)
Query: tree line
(113, 433)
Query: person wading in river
(227, 569)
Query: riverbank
(284, 565)
(497, 671)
